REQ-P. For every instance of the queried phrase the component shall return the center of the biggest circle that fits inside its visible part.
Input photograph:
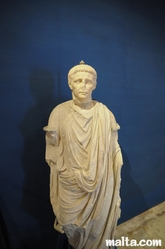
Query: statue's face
(82, 84)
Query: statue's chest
(77, 129)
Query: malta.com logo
(125, 241)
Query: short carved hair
(82, 67)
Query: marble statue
(85, 161)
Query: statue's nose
(83, 84)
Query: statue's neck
(84, 106)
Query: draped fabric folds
(85, 160)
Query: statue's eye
(78, 81)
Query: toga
(85, 161)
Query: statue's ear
(94, 85)
(70, 84)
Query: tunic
(85, 161)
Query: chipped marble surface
(148, 225)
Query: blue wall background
(40, 41)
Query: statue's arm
(52, 139)
(114, 126)
(114, 135)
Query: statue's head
(82, 81)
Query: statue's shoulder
(104, 107)
(109, 114)
(59, 109)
